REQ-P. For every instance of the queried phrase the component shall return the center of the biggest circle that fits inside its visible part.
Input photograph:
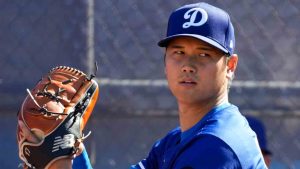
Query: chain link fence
(135, 106)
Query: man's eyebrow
(207, 48)
(176, 46)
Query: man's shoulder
(224, 122)
(208, 151)
(210, 145)
(232, 128)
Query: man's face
(196, 71)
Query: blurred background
(135, 106)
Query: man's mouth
(188, 82)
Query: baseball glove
(56, 110)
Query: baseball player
(199, 66)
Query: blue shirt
(221, 139)
(82, 161)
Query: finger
(79, 149)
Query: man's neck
(190, 114)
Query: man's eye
(179, 52)
(204, 55)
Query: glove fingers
(27, 134)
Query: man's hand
(53, 116)
(31, 137)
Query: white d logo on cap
(192, 14)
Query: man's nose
(188, 69)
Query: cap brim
(164, 42)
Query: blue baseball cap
(204, 22)
(258, 127)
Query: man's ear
(165, 71)
(165, 63)
(231, 66)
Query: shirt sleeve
(82, 161)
